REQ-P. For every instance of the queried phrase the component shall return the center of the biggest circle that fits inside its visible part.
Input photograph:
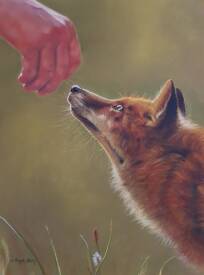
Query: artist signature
(23, 260)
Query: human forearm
(19, 20)
(11, 11)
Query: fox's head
(128, 126)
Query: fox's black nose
(75, 89)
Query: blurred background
(52, 172)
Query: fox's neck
(143, 179)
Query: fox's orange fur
(158, 162)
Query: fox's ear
(166, 104)
(181, 102)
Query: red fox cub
(158, 162)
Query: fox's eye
(118, 108)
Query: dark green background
(51, 171)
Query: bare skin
(46, 40)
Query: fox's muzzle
(84, 104)
(91, 110)
(87, 98)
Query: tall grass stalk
(165, 264)
(26, 243)
(4, 257)
(96, 269)
(54, 252)
(144, 266)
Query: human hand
(47, 42)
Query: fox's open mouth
(84, 120)
(88, 124)
(77, 107)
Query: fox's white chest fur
(135, 209)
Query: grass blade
(4, 257)
(89, 258)
(54, 252)
(165, 264)
(106, 250)
(143, 268)
(26, 243)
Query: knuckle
(69, 24)
(70, 31)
